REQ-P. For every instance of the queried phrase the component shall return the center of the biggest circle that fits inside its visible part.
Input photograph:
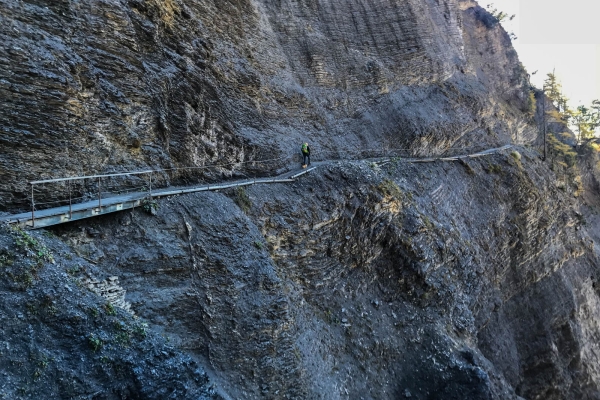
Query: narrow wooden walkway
(59, 215)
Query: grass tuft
(242, 200)
(387, 187)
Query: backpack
(305, 148)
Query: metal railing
(69, 181)
(78, 187)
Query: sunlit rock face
(101, 86)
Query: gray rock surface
(60, 340)
(100, 86)
(475, 279)
(442, 280)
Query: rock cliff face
(476, 279)
(59, 340)
(98, 86)
(373, 282)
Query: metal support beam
(70, 202)
(32, 208)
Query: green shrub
(242, 200)
(6, 260)
(494, 169)
(559, 150)
(388, 187)
(95, 342)
(150, 206)
(110, 309)
(94, 312)
(531, 102)
(140, 329)
(31, 247)
(35, 253)
(517, 158)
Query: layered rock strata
(102, 86)
(373, 281)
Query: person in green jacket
(305, 155)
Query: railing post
(32, 208)
(150, 186)
(70, 202)
(99, 197)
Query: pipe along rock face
(381, 279)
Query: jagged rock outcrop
(111, 291)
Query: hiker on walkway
(305, 155)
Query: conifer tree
(553, 88)
(499, 15)
(595, 112)
(563, 103)
(583, 121)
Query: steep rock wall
(60, 340)
(433, 280)
(97, 86)
(472, 280)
